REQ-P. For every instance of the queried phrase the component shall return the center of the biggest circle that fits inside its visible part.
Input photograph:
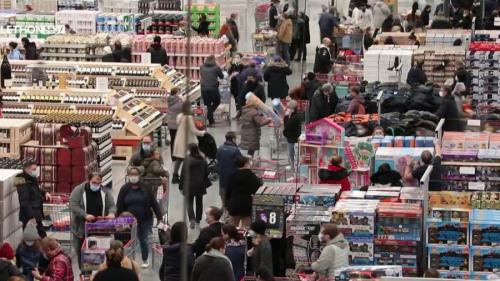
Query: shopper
(30, 51)
(226, 155)
(14, 53)
(397, 26)
(323, 59)
(158, 53)
(114, 270)
(385, 175)
(212, 217)
(323, 103)
(389, 40)
(466, 21)
(234, 27)
(262, 252)
(327, 21)
(125, 262)
(28, 253)
(7, 252)
(154, 173)
(273, 14)
(145, 150)
(108, 55)
(416, 75)
(60, 267)
(136, 198)
(357, 103)
(297, 36)
(462, 75)
(334, 255)
(8, 269)
(117, 51)
(284, 37)
(185, 127)
(31, 197)
(202, 26)
(362, 17)
(305, 38)
(367, 38)
(126, 55)
(251, 123)
(87, 202)
(263, 274)
(292, 130)
(235, 69)
(171, 265)
(174, 102)
(413, 18)
(226, 31)
(182, 30)
(210, 75)
(448, 110)
(213, 263)
(425, 16)
(310, 85)
(242, 185)
(335, 174)
(387, 23)
(195, 186)
(235, 250)
(275, 76)
(413, 173)
(380, 12)
(252, 85)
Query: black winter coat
(198, 180)
(202, 28)
(257, 89)
(242, 184)
(322, 106)
(7, 270)
(30, 51)
(209, 268)
(158, 54)
(310, 88)
(307, 32)
(170, 269)
(30, 197)
(116, 273)
(108, 58)
(416, 76)
(391, 177)
(150, 205)
(322, 60)
(449, 110)
(206, 234)
(291, 129)
(275, 76)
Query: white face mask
(321, 237)
(29, 243)
(441, 93)
(133, 179)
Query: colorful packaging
(360, 251)
(485, 259)
(446, 257)
(447, 233)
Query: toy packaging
(454, 274)
(447, 233)
(92, 259)
(367, 272)
(398, 157)
(449, 215)
(486, 200)
(453, 258)
(485, 227)
(399, 221)
(355, 218)
(360, 251)
(446, 199)
(404, 253)
(485, 259)
(484, 276)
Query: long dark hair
(178, 233)
(194, 151)
(216, 243)
(231, 231)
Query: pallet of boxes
(11, 228)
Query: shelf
(67, 55)
(455, 163)
(194, 55)
(190, 68)
(69, 46)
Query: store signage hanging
(32, 29)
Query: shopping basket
(157, 257)
(57, 220)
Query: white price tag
(476, 186)
(474, 122)
(145, 57)
(101, 83)
(467, 170)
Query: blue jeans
(291, 154)
(144, 229)
(283, 50)
(211, 99)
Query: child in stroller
(208, 146)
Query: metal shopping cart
(157, 257)
(57, 220)
(223, 112)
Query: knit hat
(327, 87)
(6, 251)
(30, 233)
(259, 227)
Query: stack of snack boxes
(485, 241)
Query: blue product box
(484, 276)
(485, 234)
(461, 275)
(485, 259)
(448, 257)
(447, 233)
(399, 228)
(323, 200)
(360, 251)
(404, 253)
(355, 224)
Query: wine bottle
(5, 71)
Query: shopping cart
(157, 257)
(57, 220)
(223, 112)
(268, 170)
(199, 116)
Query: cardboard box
(397, 157)
(485, 259)
(447, 233)
(360, 251)
(448, 257)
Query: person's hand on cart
(36, 274)
(110, 216)
(48, 197)
(90, 218)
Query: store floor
(212, 197)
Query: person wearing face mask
(213, 263)
(136, 197)
(323, 103)
(214, 228)
(87, 202)
(145, 151)
(334, 255)
(262, 252)
(60, 267)
(31, 197)
(28, 253)
(292, 130)
(234, 69)
(254, 86)
(362, 17)
(449, 111)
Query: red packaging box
(64, 157)
(63, 187)
(48, 156)
(64, 174)
(48, 173)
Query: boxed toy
(355, 218)
(446, 199)
(447, 257)
(92, 259)
(398, 157)
(486, 200)
(447, 233)
(453, 140)
(388, 252)
(449, 215)
(485, 233)
(476, 140)
(399, 221)
(494, 141)
(360, 251)
(484, 276)
(459, 155)
(485, 259)
(454, 274)
(367, 272)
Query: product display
(10, 228)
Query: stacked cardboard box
(11, 227)
(439, 62)
(483, 61)
(13, 133)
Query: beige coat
(285, 31)
(180, 145)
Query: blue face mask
(95, 187)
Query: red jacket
(335, 175)
(59, 269)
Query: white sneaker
(145, 264)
